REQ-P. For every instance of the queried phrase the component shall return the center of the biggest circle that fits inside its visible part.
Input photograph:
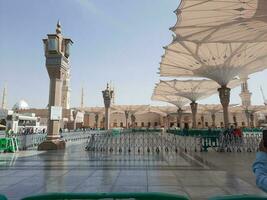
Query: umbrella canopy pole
(202, 121)
(252, 120)
(194, 113)
(213, 117)
(179, 117)
(224, 93)
(126, 112)
(168, 121)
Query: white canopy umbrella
(151, 109)
(129, 110)
(250, 111)
(221, 21)
(178, 101)
(220, 62)
(217, 61)
(193, 90)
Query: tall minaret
(112, 87)
(107, 96)
(245, 95)
(66, 91)
(114, 93)
(4, 98)
(57, 53)
(82, 98)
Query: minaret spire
(4, 98)
(82, 98)
(58, 30)
(245, 95)
(114, 93)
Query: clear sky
(118, 40)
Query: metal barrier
(31, 141)
(149, 142)
(246, 143)
(142, 143)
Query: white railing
(31, 141)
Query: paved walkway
(198, 175)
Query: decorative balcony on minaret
(57, 52)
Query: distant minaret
(4, 98)
(245, 95)
(114, 93)
(82, 98)
(112, 87)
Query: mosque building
(148, 116)
(128, 116)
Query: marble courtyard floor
(198, 175)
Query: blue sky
(118, 40)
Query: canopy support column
(234, 119)
(133, 120)
(168, 121)
(251, 120)
(126, 112)
(179, 116)
(247, 116)
(224, 93)
(213, 117)
(202, 121)
(194, 113)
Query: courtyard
(198, 175)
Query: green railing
(137, 196)
(116, 131)
(252, 129)
(239, 197)
(2, 197)
(195, 132)
(9, 144)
